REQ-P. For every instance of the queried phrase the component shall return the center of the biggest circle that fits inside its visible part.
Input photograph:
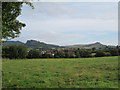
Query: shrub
(114, 52)
(5, 52)
(107, 53)
(34, 54)
(47, 55)
(85, 53)
(59, 54)
(77, 54)
(100, 54)
(14, 51)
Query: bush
(114, 52)
(100, 54)
(47, 55)
(93, 54)
(77, 54)
(85, 53)
(14, 51)
(5, 52)
(107, 53)
(34, 54)
(59, 54)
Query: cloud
(50, 10)
(58, 31)
(55, 9)
(74, 24)
(56, 38)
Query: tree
(70, 55)
(107, 53)
(100, 53)
(93, 49)
(5, 52)
(34, 54)
(14, 51)
(114, 52)
(47, 55)
(10, 25)
(77, 54)
(85, 53)
(59, 54)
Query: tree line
(22, 52)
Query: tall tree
(10, 25)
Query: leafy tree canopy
(10, 25)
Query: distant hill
(33, 44)
(97, 45)
(41, 45)
(45, 46)
(13, 43)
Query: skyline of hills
(46, 46)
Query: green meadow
(101, 72)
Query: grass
(61, 73)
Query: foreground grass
(61, 73)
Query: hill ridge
(46, 46)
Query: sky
(68, 23)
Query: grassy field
(61, 73)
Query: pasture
(101, 72)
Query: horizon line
(65, 45)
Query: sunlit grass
(61, 73)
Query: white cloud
(56, 38)
(47, 10)
(76, 24)
(52, 31)
(55, 9)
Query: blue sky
(70, 23)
